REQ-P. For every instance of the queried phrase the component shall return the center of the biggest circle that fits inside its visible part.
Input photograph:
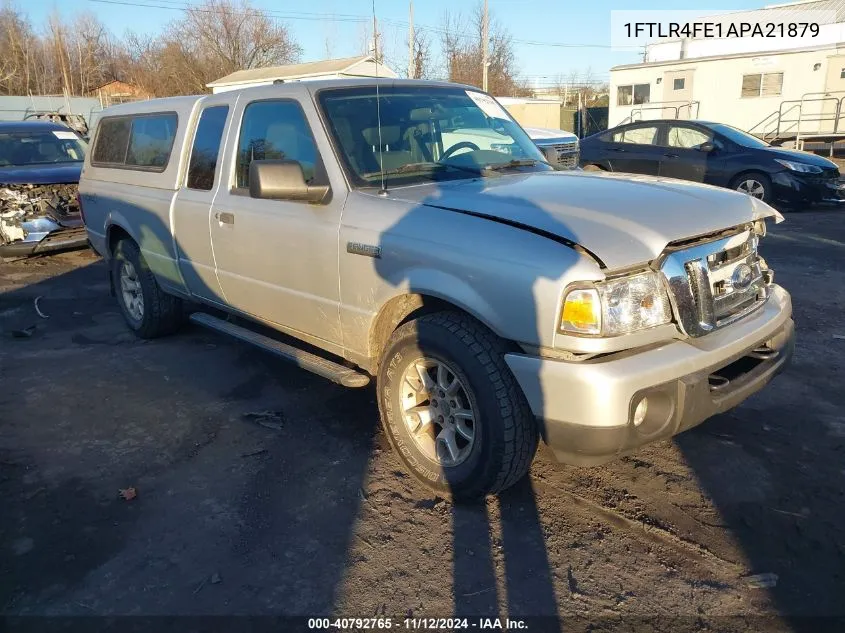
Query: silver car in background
(560, 147)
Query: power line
(175, 5)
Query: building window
(842, 73)
(678, 84)
(633, 95)
(762, 85)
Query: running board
(315, 364)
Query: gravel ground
(264, 490)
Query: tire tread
(520, 428)
(162, 311)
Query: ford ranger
(358, 229)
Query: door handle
(225, 218)
(617, 149)
(670, 155)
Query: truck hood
(622, 220)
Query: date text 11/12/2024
(416, 624)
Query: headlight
(801, 168)
(615, 307)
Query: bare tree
(66, 57)
(461, 41)
(421, 55)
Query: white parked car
(564, 144)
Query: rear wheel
(452, 408)
(147, 309)
(755, 184)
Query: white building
(362, 66)
(755, 84)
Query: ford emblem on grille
(742, 277)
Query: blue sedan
(716, 154)
(40, 164)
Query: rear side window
(646, 135)
(112, 140)
(207, 147)
(275, 130)
(141, 142)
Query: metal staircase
(817, 117)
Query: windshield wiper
(417, 167)
(516, 162)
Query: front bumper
(44, 235)
(791, 188)
(586, 409)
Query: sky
(336, 28)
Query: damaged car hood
(40, 174)
(622, 219)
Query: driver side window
(275, 129)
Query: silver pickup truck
(495, 301)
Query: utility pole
(375, 39)
(484, 60)
(411, 73)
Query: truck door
(192, 206)
(277, 260)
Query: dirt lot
(263, 490)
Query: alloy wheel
(130, 290)
(752, 187)
(438, 411)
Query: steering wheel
(457, 146)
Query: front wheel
(755, 184)
(452, 408)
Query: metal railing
(784, 123)
(679, 108)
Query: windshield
(44, 147)
(427, 133)
(737, 136)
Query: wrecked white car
(40, 163)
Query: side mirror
(707, 147)
(282, 180)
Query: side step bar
(315, 364)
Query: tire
(504, 431)
(742, 183)
(160, 313)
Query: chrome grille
(715, 283)
(564, 148)
(568, 162)
(567, 153)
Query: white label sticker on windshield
(488, 104)
(65, 136)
